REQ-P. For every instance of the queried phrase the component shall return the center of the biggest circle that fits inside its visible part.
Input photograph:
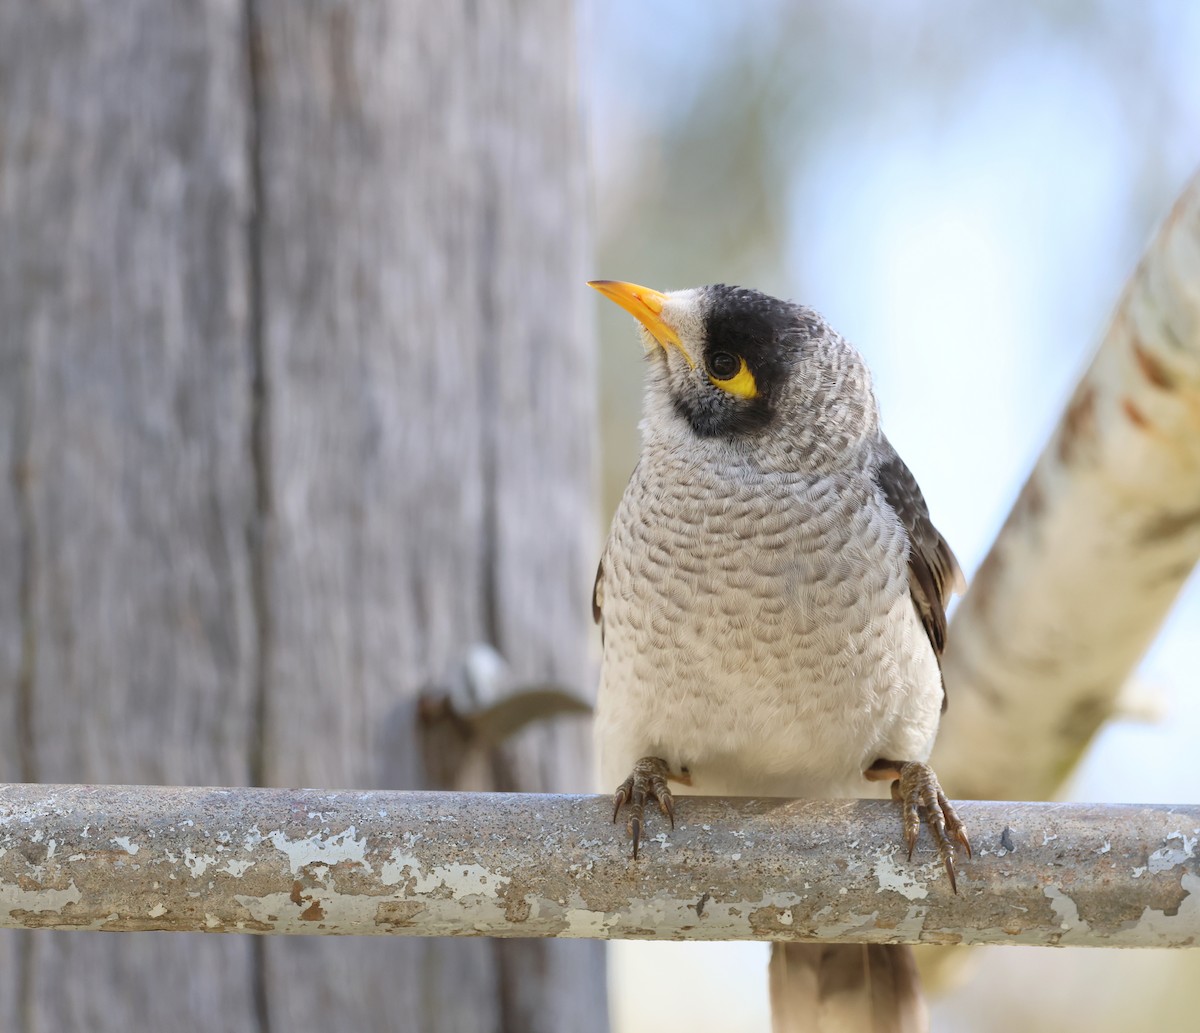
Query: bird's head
(739, 367)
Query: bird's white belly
(763, 660)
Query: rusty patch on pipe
(516, 909)
(773, 923)
(63, 919)
(1112, 911)
(398, 914)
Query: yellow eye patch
(740, 385)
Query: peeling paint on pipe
(491, 864)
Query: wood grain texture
(296, 404)
(123, 298)
(430, 427)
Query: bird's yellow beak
(645, 305)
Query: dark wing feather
(598, 593)
(598, 584)
(933, 572)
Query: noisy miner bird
(772, 599)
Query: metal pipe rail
(491, 864)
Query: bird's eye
(724, 365)
(730, 373)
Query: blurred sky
(962, 190)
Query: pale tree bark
(1097, 547)
(295, 404)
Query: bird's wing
(933, 572)
(598, 584)
(598, 595)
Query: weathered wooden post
(296, 404)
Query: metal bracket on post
(483, 706)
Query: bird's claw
(648, 781)
(917, 788)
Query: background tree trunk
(295, 405)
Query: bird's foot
(916, 787)
(648, 781)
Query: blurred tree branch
(1096, 548)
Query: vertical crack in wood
(489, 403)
(258, 529)
(20, 472)
(260, 446)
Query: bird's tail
(845, 988)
